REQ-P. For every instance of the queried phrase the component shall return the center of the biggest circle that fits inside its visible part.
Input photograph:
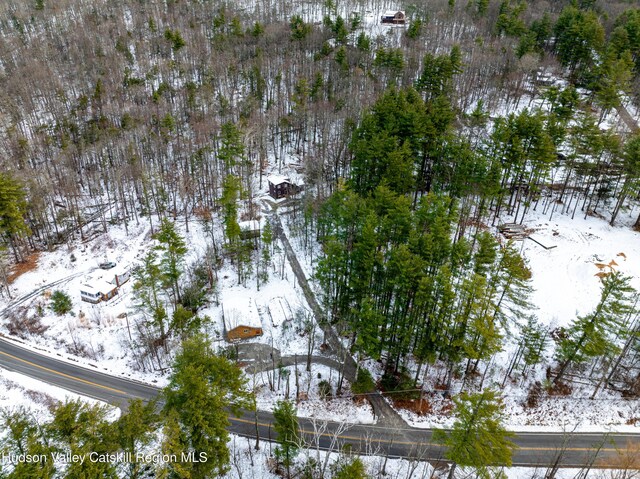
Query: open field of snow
(564, 277)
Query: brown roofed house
(241, 319)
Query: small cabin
(281, 186)
(394, 17)
(240, 317)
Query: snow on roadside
(17, 390)
(91, 335)
(247, 462)
(339, 409)
(101, 335)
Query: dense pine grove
(413, 144)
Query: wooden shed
(240, 317)
(394, 17)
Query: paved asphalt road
(534, 449)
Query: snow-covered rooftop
(97, 286)
(277, 179)
(252, 225)
(239, 309)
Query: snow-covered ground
(19, 391)
(103, 333)
(246, 462)
(564, 277)
(566, 285)
(340, 409)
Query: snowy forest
(420, 149)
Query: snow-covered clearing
(566, 285)
(564, 277)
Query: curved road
(534, 449)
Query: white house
(90, 294)
(98, 290)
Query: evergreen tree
(174, 442)
(437, 73)
(477, 439)
(579, 37)
(415, 28)
(13, 209)
(299, 29)
(340, 29)
(135, 430)
(349, 469)
(612, 79)
(61, 302)
(481, 6)
(231, 150)
(534, 341)
(363, 42)
(385, 143)
(202, 388)
(631, 170)
(79, 428)
(286, 426)
(173, 248)
(239, 251)
(22, 435)
(626, 35)
(598, 333)
(148, 279)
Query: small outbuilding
(394, 17)
(240, 317)
(121, 276)
(249, 229)
(281, 186)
